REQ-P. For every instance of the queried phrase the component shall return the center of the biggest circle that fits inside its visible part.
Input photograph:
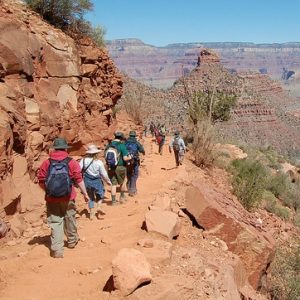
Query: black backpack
(58, 182)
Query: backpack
(112, 156)
(176, 146)
(133, 149)
(58, 182)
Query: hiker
(116, 156)
(94, 172)
(134, 147)
(145, 130)
(151, 128)
(178, 146)
(56, 176)
(160, 135)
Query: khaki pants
(61, 219)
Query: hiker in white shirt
(94, 172)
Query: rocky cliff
(50, 86)
(161, 66)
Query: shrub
(285, 274)
(277, 184)
(68, 15)
(291, 197)
(249, 181)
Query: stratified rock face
(49, 87)
(255, 249)
(160, 67)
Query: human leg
(70, 225)
(121, 173)
(55, 218)
(135, 174)
(176, 154)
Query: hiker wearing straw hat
(94, 173)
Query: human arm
(123, 151)
(171, 145)
(42, 173)
(103, 172)
(141, 148)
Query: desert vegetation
(68, 15)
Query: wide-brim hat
(92, 149)
(132, 133)
(60, 143)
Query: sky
(163, 22)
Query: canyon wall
(50, 86)
(161, 66)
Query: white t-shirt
(95, 169)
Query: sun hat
(92, 149)
(60, 143)
(132, 133)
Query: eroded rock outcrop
(49, 86)
(255, 249)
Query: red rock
(164, 222)
(255, 249)
(130, 269)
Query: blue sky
(161, 22)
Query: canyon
(160, 66)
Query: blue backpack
(133, 149)
(58, 182)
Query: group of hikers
(60, 174)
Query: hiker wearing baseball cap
(134, 147)
(56, 176)
(94, 172)
(116, 156)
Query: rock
(146, 243)
(130, 269)
(159, 253)
(164, 222)
(236, 235)
(161, 202)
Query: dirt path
(30, 273)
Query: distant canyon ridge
(160, 66)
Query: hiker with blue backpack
(94, 172)
(57, 176)
(134, 147)
(178, 146)
(116, 156)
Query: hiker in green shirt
(116, 156)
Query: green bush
(285, 274)
(291, 197)
(277, 184)
(68, 15)
(249, 181)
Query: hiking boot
(92, 213)
(73, 245)
(56, 254)
(114, 203)
(122, 200)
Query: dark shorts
(118, 175)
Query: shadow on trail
(168, 169)
(41, 240)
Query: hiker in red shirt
(56, 176)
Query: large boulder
(164, 222)
(130, 269)
(255, 249)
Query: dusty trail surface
(30, 273)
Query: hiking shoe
(114, 203)
(73, 245)
(56, 254)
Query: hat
(92, 149)
(60, 143)
(119, 134)
(132, 133)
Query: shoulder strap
(83, 170)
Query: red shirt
(74, 172)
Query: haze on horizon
(160, 23)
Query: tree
(68, 15)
